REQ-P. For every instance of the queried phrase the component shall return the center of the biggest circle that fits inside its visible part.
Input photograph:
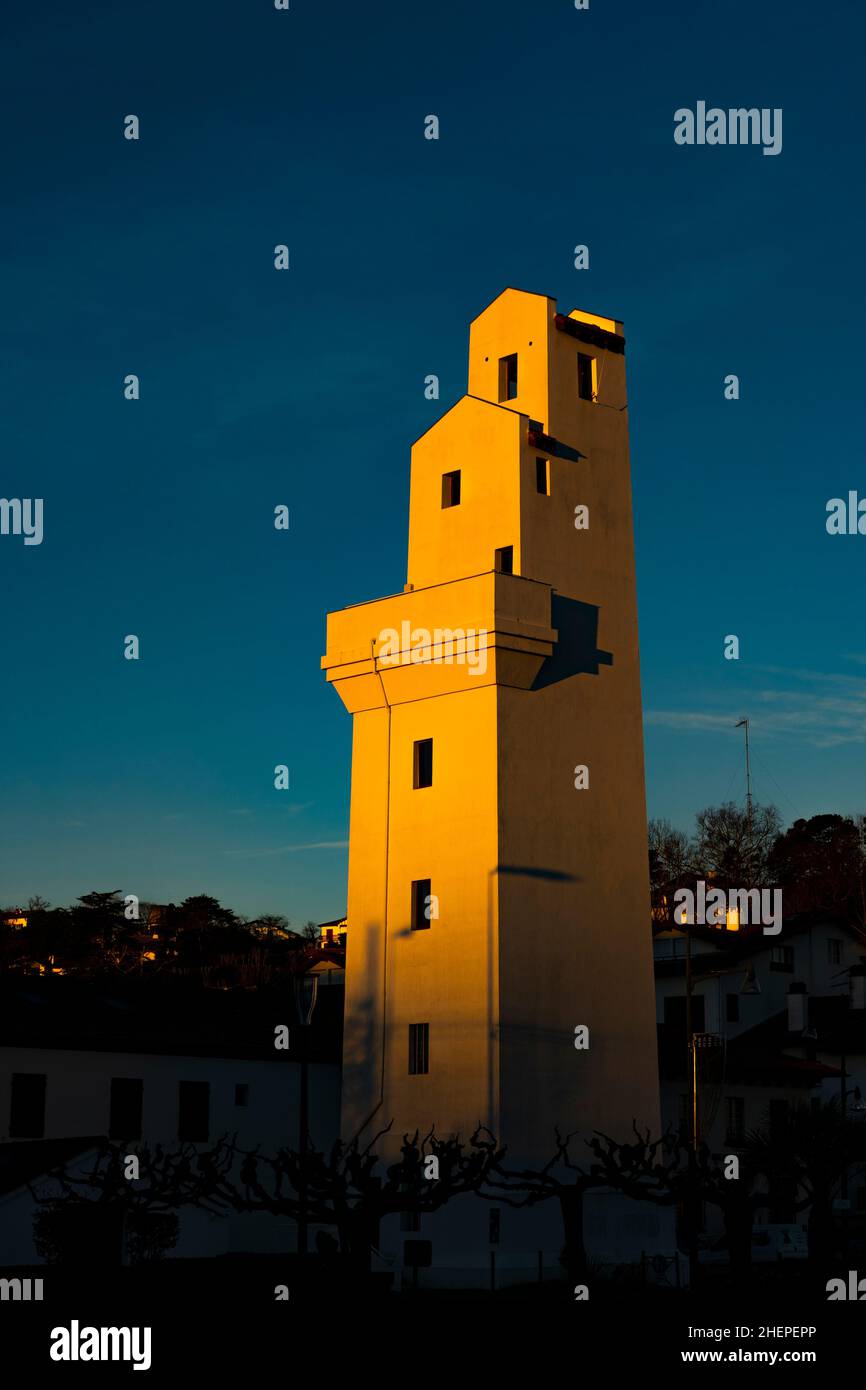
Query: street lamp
(306, 989)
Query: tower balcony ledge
(487, 629)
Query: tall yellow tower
(498, 883)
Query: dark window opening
(451, 489)
(585, 375)
(242, 1094)
(684, 1116)
(735, 1128)
(542, 477)
(193, 1110)
(733, 1014)
(419, 1049)
(420, 903)
(127, 1096)
(27, 1105)
(508, 377)
(778, 1117)
(782, 958)
(503, 559)
(675, 1012)
(422, 763)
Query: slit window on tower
(422, 763)
(419, 1049)
(420, 904)
(508, 377)
(585, 376)
(503, 559)
(451, 489)
(542, 477)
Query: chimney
(857, 983)
(798, 1007)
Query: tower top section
(498, 480)
(528, 357)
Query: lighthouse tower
(499, 961)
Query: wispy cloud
(818, 708)
(287, 849)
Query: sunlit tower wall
(495, 906)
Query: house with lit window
(779, 1021)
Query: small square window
(420, 904)
(508, 377)
(451, 489)
(542, 477)
(419, 1049)
(782, 958)
(503, 559)
(242, 1094)
(586, 383)
(422, 769)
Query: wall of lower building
(78, 1095)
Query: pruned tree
(347, 1188)
(96, 1210)
(646, 1170)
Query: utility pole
(744, 724)
(691, 1063)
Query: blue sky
(306, 388)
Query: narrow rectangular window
(242, 1094)
(508, 377)
(193, 1110)
(27, 1105)
(834, 952)
(420, 903)
(778, 1117)
(422, 763)
(684, 1116)
(451, 489)
(127, 1097)
(503, 559)
(782, 958)
(736, 1120)
(419, 1049)
(586, 377)
(733, 1008)
(542, 477)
